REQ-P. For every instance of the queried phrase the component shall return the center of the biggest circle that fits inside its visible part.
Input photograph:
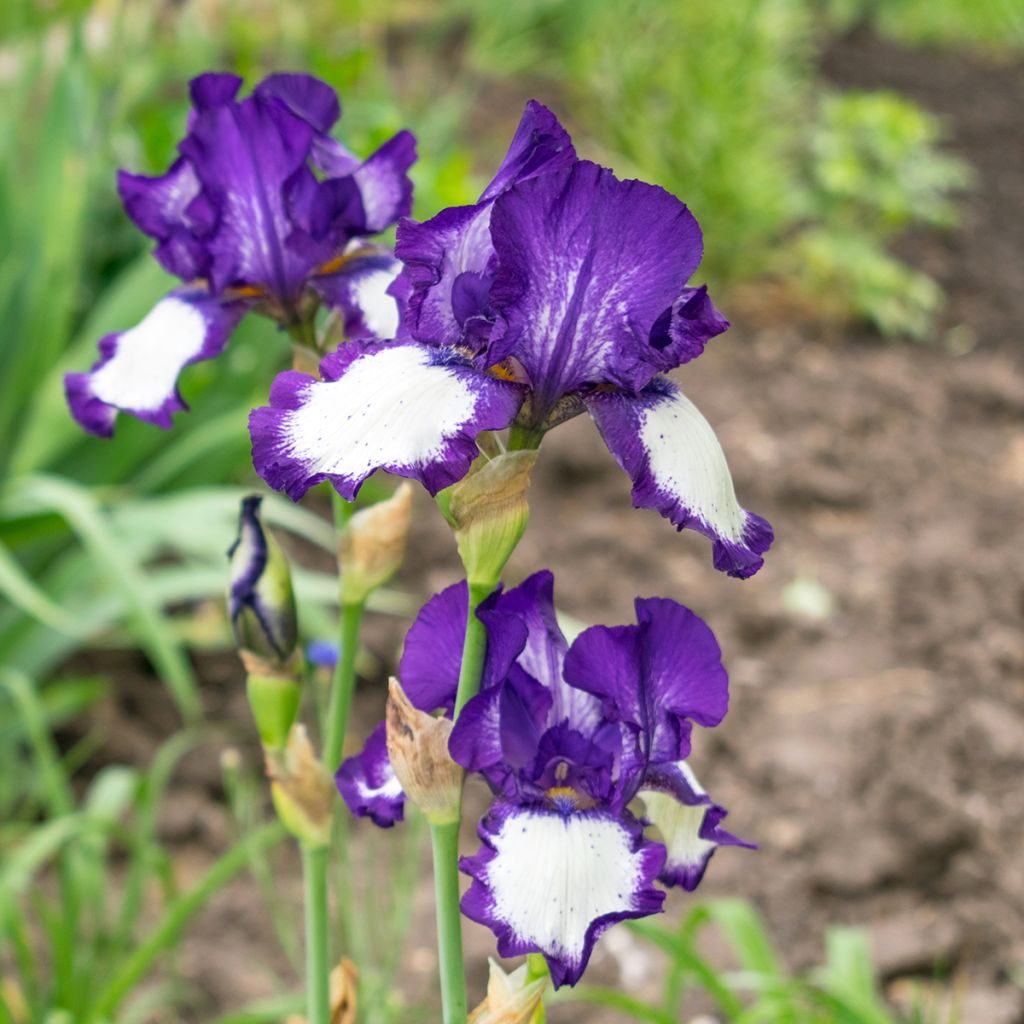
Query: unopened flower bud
(274, 692)
(372, 545)
(511, 998)
(488, 512)
(260, 600)
(418, 751)
(302, 791)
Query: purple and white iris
(262, 210)
(569, 739)
(562, 289)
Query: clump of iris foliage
(99, 543)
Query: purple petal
(171, 209)
(553, 883)
(688, 824)
(682, 331)
(244, 154)
(384, 183)
(214, 89)
(138, 369)
(533, 602)
(437, 254)
(539, 145)
(360, 291)
(305, 96)
(657, 676)
(678, 467)
(368, 784)
(432, 657)
(586, 266)
(403, 407)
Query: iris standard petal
(688, 823)
(677, 466)
(138, 369)
(533, 602)
(553, 883)
(405, 408)
(368, 784)
(432, 656)
(658, 676)
(682, 331)
(586, 266)
(360, 292)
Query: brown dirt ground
(875, 752)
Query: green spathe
(488, 512)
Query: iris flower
(246, 222)
(562, 290)
(584, 749)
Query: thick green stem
(537, 967)
(474, 649)
(318, 968)
(344, 685)
(522, 438)
(445, 844)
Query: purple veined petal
(138, 369)
(553, 883)
(214, 89)
(360, 290)
(403, 407)
(658, 676)
(682, 331)
(533, 601)
(437, 254)
(244, 153)
(171, 209)
(384, 183)
(499, 731)
(688, 823)
(539, 145)
(305, 96)
(368, 784)
(677, 466)
(586, 265)
(432, 656)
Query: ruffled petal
(405, 408)
(244, 154)
(448, 257)
(539, 145)
(138, 369)
(171, 209)
(678, 467)
(587, 264)
(368, 784)
(688, 823)
(432, 656)
(682, 331)
(533, 602)
(360, 291)
(553, 883)
(658, 676)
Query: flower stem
(344, 685)
(474, 649)
(537, 967)
(444, 840)
(318, 970)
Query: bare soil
(875, 746)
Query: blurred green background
(798, 187)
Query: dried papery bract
(418, 750)
(302, 791)
(344, 992)
(511, 998)
(488, 512)
(372, 546)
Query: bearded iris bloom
(263, 211)
(584, 749)
(563, 290)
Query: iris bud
(372, 545)
(418, 750)
(488, 512)
(511, 998)
(260, 602)
(302, 791)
